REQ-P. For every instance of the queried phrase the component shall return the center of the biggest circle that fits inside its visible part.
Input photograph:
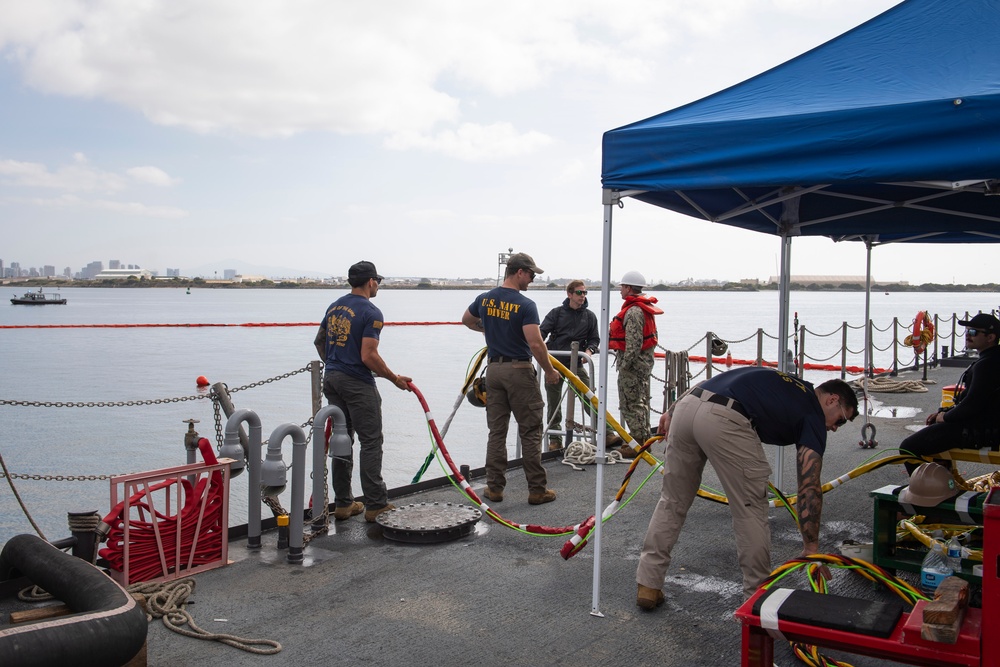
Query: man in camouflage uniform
(633, 337)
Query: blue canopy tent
(887, 133)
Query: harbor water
(73, 363)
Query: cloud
(79, 178)
(278, 69)
(473, 142)
(124, 208)
(152, 176)
(70, 178)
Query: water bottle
(955, 554)
(934, 569)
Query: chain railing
(890, 352)
(212, 396)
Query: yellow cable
(585, 392)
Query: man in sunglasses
(347, 341)
(974, 420)
(725, 421)
(509, 320)
(573, 322)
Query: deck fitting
(428, 523)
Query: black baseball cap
(983, 322)
(363, 270)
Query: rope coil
(168, 601)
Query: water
(82, 365)
(954, 554)
(934, 569)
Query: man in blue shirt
(347, 341)
(510, 322)
(725, 420)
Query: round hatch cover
(428, 523)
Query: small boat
(38, 298)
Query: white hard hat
(633, 278)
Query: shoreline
(199, 283)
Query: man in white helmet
(633, 338)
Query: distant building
(114, 264)
(173, 273)
(122, 274)
(837, 280)
(49, 271)
(228, 274)
(88, 272)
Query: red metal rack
(974, 647)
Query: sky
(426, 136)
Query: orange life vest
(616, 336)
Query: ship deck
(497, 596)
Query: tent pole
(784, 287)
(868, 319)
(610, 199)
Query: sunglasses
(974, 332)
(580, 292)
(843, 420)
(378, 281)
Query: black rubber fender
(107, 627)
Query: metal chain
(101, 404)
(261, 383)
(57, 478)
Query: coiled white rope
(887, 385)
(579, 453)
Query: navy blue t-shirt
(349, 319)
(784, 409)
(504, 312)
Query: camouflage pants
(633, 403)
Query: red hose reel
(168, 526)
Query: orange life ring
(923, 332)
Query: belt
(730, 403)
(506, 360)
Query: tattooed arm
(809, 464)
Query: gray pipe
(295, 522)
(337, 448)
(231, 442)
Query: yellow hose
(584, 391)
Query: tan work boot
(492, 496)
(649, 598)
(371, 515)
(539, 498)
(627, 452)
(613, 440)
(344, 513)
(555, 444)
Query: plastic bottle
(955, 554)
(934, 569)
